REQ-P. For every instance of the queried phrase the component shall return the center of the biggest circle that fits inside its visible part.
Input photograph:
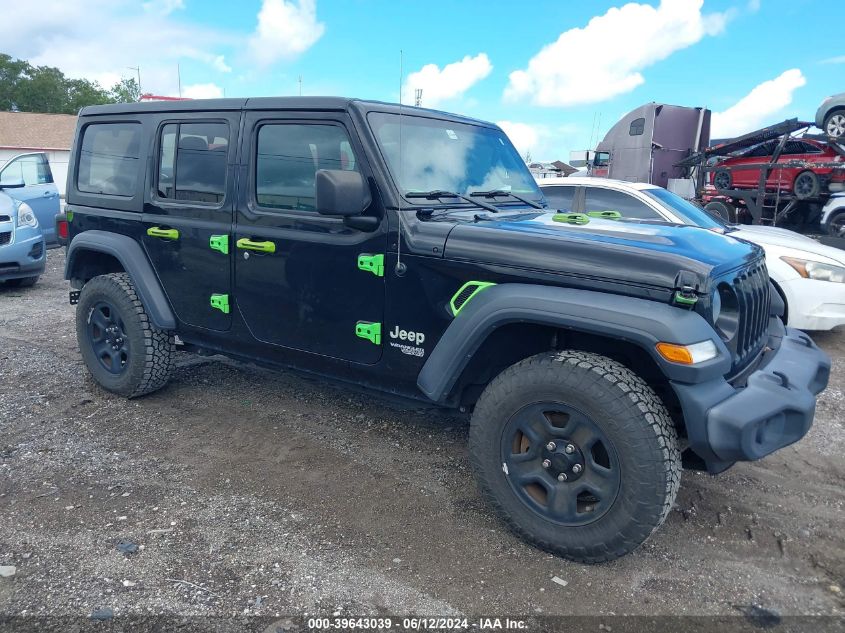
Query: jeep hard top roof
(326, 104)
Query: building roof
(32, 130)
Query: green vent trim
(465, 293)
(69, 216)
(369, 331)
(371, 263)
(571, 218)
(220, 302)
(605, 215)
(219, 243)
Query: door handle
(47, 194)
(168, 234)
(262, 247)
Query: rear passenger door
(303, 280)
(188, 215)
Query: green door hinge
(369, 331)
(371, 263)
(219, 243)
(220, 302)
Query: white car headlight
(26, 217)
(816, 270)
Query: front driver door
(302, 280)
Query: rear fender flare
(131, 256)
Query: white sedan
(809, 276)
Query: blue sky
(482, 59)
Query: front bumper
(775, 408)
(26, 256)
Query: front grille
(5, 238)
(752, 290)
(5, 218)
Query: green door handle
(262, 247)
(168, 234)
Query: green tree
(46, 89)
(125, 91)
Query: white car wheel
(834, 125)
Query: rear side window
(288, 158)
(108, 159)
(193, 168)
(32, 169)
(637, 127)
(608, 200)
(560, 198)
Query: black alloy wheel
(560, 463)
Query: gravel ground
(249, 492)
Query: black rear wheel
(722, 179)
(122, 350)
(836, 224)
(806, 185)
(576, 453)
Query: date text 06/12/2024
(415, 624)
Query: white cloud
(202, 91)
(756, 108)
(50, 32)
(523, 135)
(219, 62)
(834, 60)
(606, 57)
(451, 81)
(753, 6)
(286, 28)
(163, 7)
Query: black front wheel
(122, 350)
(576, 453)
(806, 185)
(836, 224)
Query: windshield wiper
(439, 193)
(497, 193)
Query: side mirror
(341, 193)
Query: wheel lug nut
(570, 448)
(551, 446)
(546, 463)
(561, 477)
(576, 468)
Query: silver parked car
(830, 117)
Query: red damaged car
(796, 171)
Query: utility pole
(300, 85)
(137, 69)
(418, 97)
(179, 78)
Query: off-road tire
(150, 360)
(23, 282)
(630, 414)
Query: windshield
(449, 156)
(684, 209)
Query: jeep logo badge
(416, 338)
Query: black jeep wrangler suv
(410, 251)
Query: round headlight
(727, 320)
(716, 305)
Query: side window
(637, 127)
(607, 200)
(560, 197)
(193, 169)
(32, 169)
(288, 157)
(108, 159)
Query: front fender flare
(134, 262)
(638, 321)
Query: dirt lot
(252, 492)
